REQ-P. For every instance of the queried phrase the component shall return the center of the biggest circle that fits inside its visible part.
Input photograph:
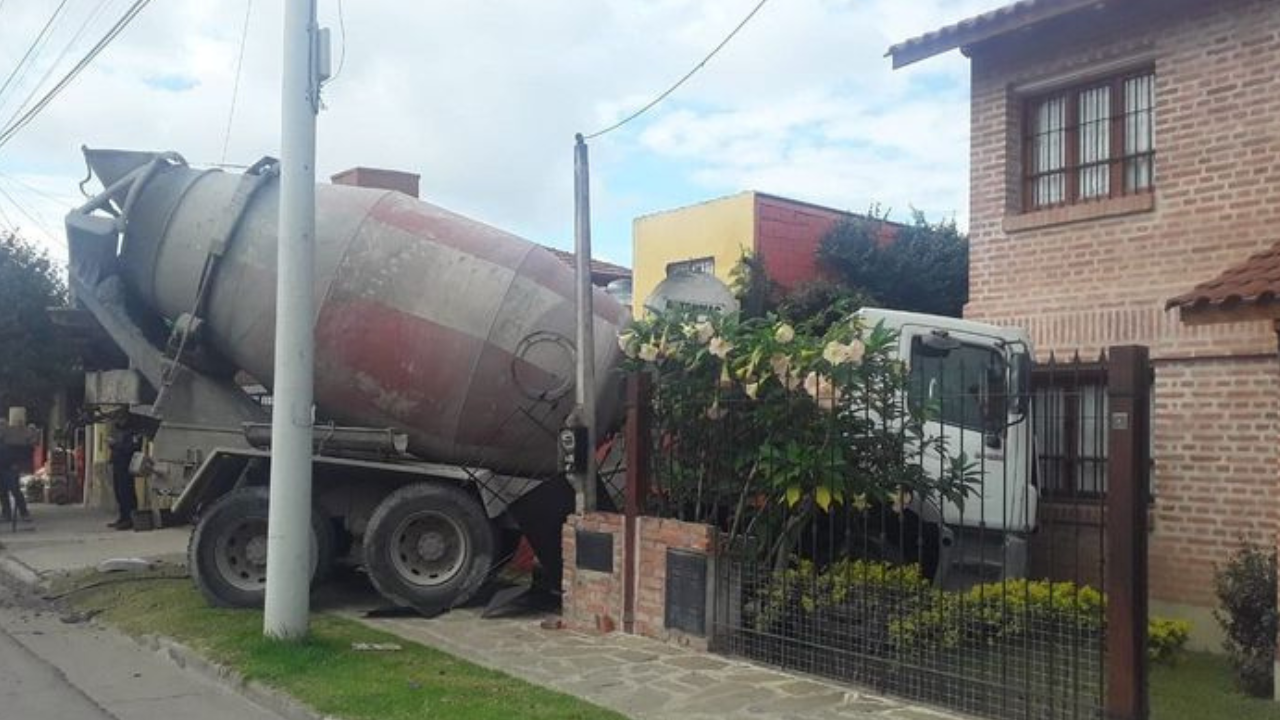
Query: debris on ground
(125, 564)
(375, 647)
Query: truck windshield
(964, 385)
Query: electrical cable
(32, 47)
(60, 199)
(235, 86)
(9, 226)
(682, 80)
(137, 7)
(39, 225)
(342, 34)
(66, 50)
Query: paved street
(58, 667)
(31, 688)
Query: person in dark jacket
(10, 459)
(124, 442)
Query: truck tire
(227, 552)
(429, 546)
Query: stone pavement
(646, 679)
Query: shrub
(1246, 589)
(916, 615)
(844, 583)
(994, 612)
(1166, 639)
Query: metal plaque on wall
(686, 592)
(595, 551)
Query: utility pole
(289, 542)
(585, 387)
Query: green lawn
(324, 672)
(1199, 687)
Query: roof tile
(1254, 281)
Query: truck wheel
(429, 546)
(227, 553)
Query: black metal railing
(913, 541)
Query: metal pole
(289, 524)
(585, 390)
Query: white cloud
(483, 98)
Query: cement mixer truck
(444, 371)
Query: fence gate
(1027, 600)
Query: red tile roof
(1005, 19)
(599, 268)
(1255, 281)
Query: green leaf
(793, 495)
(823, 497)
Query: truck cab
(972, 380)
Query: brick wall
(1215, 475)
(593, 601)
(788, 233)
(787, 237)
(1099, 275)
(658, 535)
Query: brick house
(1122, 152)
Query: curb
(269, 698)
(19, 571)
(266, 697)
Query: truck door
(961, 381)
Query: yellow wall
(721, 229)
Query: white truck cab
(975, 380)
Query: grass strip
(324, 671)
(1199, 687)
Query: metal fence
(950, 549)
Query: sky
(483, 98)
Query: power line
(137, 7)
(75, 39)
(32, 47)
(235, 87)
(342, 33)
(682, 80)
(26, 214)
(24, 185)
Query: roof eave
(987, 26)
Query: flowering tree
(762, 421)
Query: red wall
(788, 233)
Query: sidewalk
(69, 537)
(641, 678)
(56, 670)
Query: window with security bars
(698, 266)
(1070, 425)
(1090, 142)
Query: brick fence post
(1128, 477)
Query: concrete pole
(289, 524)
(585, 387)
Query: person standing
(123, 444)
(9, 485)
